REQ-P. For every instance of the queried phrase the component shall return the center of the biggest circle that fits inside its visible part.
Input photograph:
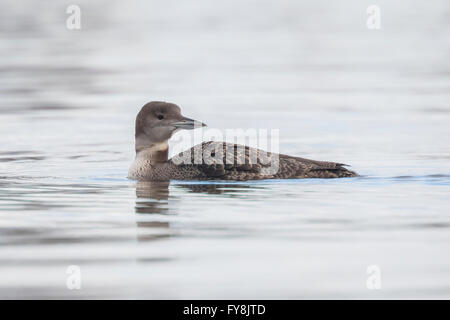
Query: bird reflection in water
(152, 199)
(154, 204)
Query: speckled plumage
(216, 160)
(220, 169)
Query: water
(376, 99)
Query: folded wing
(226, 161)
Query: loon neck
(157, 152)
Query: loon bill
(155, 125)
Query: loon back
(226, 161)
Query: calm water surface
(376, 99)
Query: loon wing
(227, 161)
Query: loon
(157, 121)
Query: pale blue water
(375, 99)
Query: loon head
(157, 122)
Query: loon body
(157, 121)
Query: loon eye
(160, 117)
